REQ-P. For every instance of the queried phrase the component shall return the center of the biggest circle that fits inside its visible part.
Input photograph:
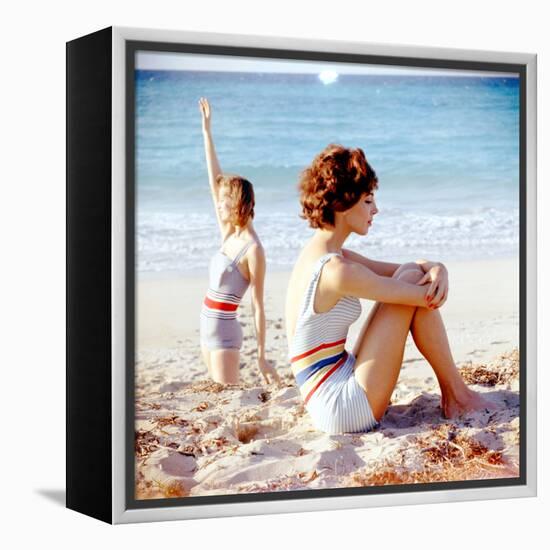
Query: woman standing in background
(238, 264)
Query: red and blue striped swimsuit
(318, 346)
(323, 368)
(219, 327)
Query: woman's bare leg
(224, 366)
(431, 339)
(206, 358)
(380, 347)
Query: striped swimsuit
(324, 369)
(219, 327)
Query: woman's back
(317, 339)
(297, 286)
(300, 280)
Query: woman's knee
(409, 272)
(408, 266)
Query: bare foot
(468, 401)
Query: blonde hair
(241, 193)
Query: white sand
(197, 438)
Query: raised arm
(347, 278)
(212, 164)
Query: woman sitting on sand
(349, 392)
(238, 264)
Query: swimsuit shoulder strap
(242, 252)
(307, 306)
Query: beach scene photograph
(445, 147)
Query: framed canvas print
(301, 275)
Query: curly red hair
(334, 182)
(241, 192)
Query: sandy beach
(195, 437)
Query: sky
(147, 60)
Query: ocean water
(445, 149)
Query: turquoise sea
(445, 149)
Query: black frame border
(88, 397)
(131, 47)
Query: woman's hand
(268, 371)
(206, 113)
(439, 288)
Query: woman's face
(225, 205)
(359, 217)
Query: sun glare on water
(328, 77)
